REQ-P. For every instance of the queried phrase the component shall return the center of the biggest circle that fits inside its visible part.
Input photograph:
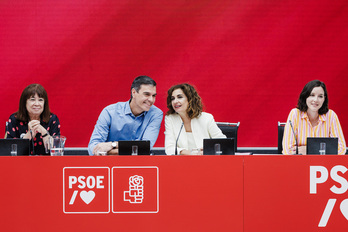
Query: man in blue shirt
(136, 119)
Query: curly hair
(195, 105)
(306, 91)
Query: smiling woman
(314, 103)
(185, 110)
(34, 120)
(35, 106)
(312, 118)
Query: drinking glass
(134, 150)
(102, 153)
(57, 145)
(217, 148)
(322, 149)
(13, 149)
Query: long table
(174, 193)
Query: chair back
(5, 137)
(230, 130)
(281, 126)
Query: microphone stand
(293, 131)
(32, 141)
(176, 142)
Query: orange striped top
(328, 126)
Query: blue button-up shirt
(117, 122)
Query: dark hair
(141, 80)
(28, 92)
(195, 105)
(306, 91)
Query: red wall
(248, 59)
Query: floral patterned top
(15, 128)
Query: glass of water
(57, 145)
(134, 150)
(217, 148)
(322, 149)
(13, 149)
(102, 153)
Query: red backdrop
(249, 59)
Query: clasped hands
(35, 127)
(301, 150)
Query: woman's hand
(37, 128)
(196, 151)
(301, 150)
(31, 128)
(185, 152)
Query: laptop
(216, 146)
(127, 147)
(23, 147)
(313, 145)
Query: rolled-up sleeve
(152, 130)
(336, 131)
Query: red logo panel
(135, 190)
(86, 190)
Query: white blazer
(202, 127)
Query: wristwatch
(45, 135)
(114, 145)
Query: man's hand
(113, 152)
(104, 148)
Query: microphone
(176, 142)
(293, 131)
(32, 141)
(7, 131)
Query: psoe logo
(319, 175)
(86, 190)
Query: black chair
(230, 130)
(281, 126)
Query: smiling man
(136, 119)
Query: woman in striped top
(312, 118)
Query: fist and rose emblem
(136, 190)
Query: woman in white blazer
(185, 124)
